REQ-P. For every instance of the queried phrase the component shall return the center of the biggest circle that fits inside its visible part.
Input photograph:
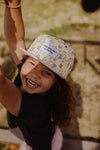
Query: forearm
(10, 95)
(14, 30)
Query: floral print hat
(53, 53)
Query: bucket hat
(53, 53)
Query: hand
(12, 2)
(7, 1)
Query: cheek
(25, 69)
(23, 72)
(48, 83)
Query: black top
(34, 119)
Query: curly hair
(63, 106)
(63, 103)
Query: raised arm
(14, 30)
(10, 95)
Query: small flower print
(60, 46)
(39, 47)
(60, 65)
(52, 43)
(41, 40)
(51, 64)
(62, 56)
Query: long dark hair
(63, 105)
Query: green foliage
(99, 131)
(96, 26)
(75, 1)
(4, 51)
(76, 25)
(58, 30)
(64, 29)
(2, 146)
(3, 122)
(9, 68)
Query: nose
(36, 71)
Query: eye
(32, 63)
(49, 73)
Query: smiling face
(36, 78)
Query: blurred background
(79, 25)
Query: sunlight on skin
(35, 77)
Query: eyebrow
(51, 72)
(45, 67)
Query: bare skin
(7, 95)
(14, 30)
(36, 78)
(14, 34)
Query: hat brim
(25, 52)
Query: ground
(67, 20)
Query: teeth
(32, 83)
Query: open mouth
(31, 84)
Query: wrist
(14, 4)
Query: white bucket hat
(53, 53)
